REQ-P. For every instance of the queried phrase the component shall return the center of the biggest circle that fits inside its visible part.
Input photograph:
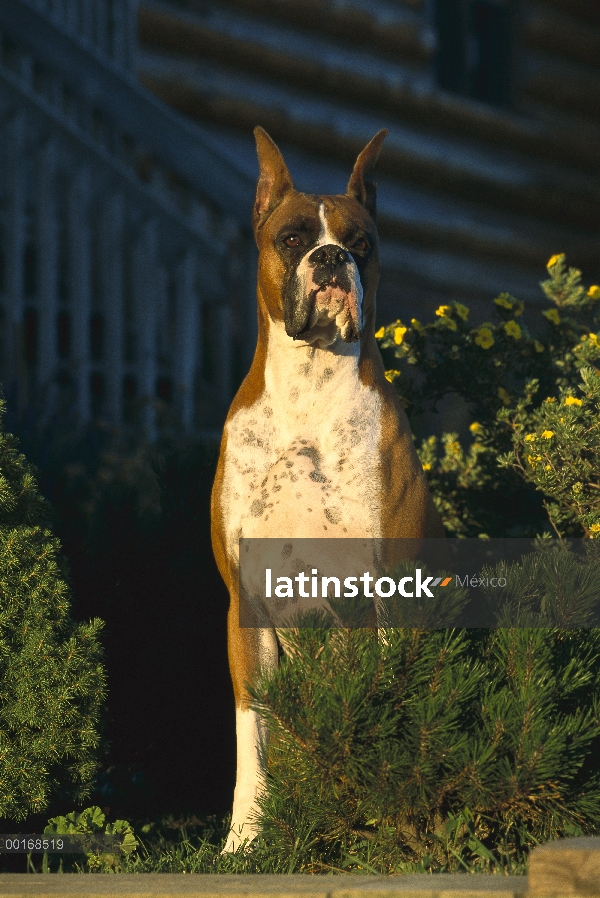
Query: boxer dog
(316, 442)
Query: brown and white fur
(316, 442)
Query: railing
(108, 25)
(121, 232)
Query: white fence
(124, 262)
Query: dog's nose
(328, 257)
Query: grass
(190, 845)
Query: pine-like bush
(430, 750)
(52, 681)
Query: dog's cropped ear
(361, 185)
(274, 180)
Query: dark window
(489, 63)
(450, 23)
(474, 48)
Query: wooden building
(128, 169)
(493, 111)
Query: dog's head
(318, 263)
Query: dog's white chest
(302, 460)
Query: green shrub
(51, 674)
(510, 480)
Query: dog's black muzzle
(329, 264)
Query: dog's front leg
(249, 650)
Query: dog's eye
(359, 245)
(292, 240)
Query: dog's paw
(239, 837)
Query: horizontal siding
(548, 30)
(472, 198)
(464, 168)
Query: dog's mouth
(323, 298)
(333, 311)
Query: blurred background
(127, 272)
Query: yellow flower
(399, 334)
(594, 292)
(554, 259)
(548, 468)
(454, 447)
(444, 311)
(506, 301)
(593, 338)
(552, 315)
(426, 466)
(530, 437)
(572, 400)
(380, 333)
(513, 330)
(595, 528)
(503, 395)
(538, 346)
(392, 375)
(548, 434)
(475, 427)
(532, 459)
(461, 311)
(484, 337)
